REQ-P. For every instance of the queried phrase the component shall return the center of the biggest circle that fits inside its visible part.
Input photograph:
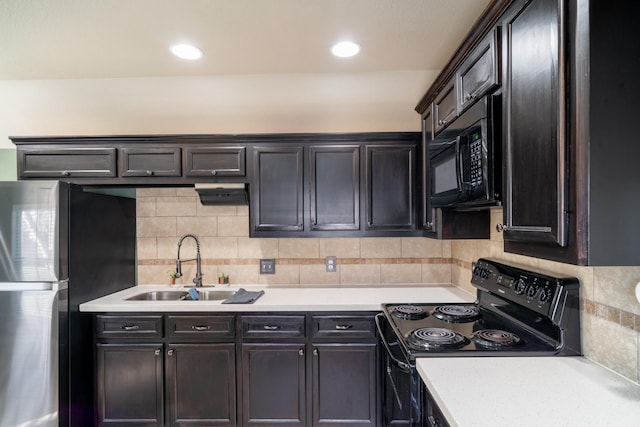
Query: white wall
(223, 104)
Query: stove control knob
(545, 295)
(531, 291)
(520, 286)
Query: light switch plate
(268, 266)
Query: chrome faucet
(198, 279)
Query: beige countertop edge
(357, 298)
(530, 391)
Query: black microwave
(465, 159)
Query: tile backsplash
(610, 312)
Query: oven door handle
(402, 365)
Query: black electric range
(519, 311)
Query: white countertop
(359, 298)
(530, 391)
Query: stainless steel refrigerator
(59, 247)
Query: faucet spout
(198, 279)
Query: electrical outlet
(268, 266)
(330, 264)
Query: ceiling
(71, 67)
(71, 39)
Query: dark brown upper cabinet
(345, 185)
(151, 162)
(67, 163)
(391, 186)
(535, 143)
(334, 187)
(569, 89)
(215, 161)
(277, 188)
(445, 106)
(480, 72)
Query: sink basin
(205, 295)
(215, 295)
(159, 296)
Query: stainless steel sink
(204, 295)
(215, 295)
(159, 296)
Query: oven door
(397, 380)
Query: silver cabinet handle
(214, 172)
(149, 173)
(315, 351)
(343, 327)
(200, 327)
(501, 227)
(170, 352)
(131, 327)
(301, 352)
(157, 352)
(271, 327)
(66, 173)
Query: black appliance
(519, 311)
(60, 246)
(465, 159)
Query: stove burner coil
(457, 313)
(409, 312)
(435, 338)
(495, 338)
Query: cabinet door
(215, 161)
(273, 384)
(479, 72)
(390, 183)
(151, 162)
(334, 187)
(66, 163)
(201, 384)
(344, 384)
(129, 385)
(429, 226)
(445, 106)
(277, 190)
(535, 202)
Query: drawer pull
(157, 352)
(301, 352)
(343, 327)
(201, 327)
(131, 327)
(170, 352)
(315, 351)
(271, 327)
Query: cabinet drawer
(479, 72)
(64, 163)
(151, 162)
(445, 106)
(343, 327)
(219, 161)
(273, 326)
(205, 327)
(129, 326)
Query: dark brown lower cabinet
(130, 385)
(201, 384)
(276, 369)
(273, 384)
(344, 382)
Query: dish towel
(242, 296)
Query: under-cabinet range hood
(220, 193)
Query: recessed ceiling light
(345, 49)
(186, 51)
